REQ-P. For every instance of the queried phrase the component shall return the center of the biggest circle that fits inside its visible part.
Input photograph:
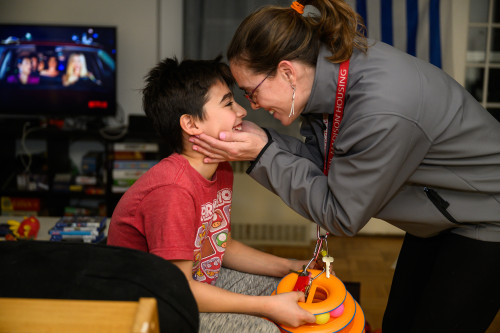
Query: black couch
(61, 270)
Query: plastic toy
(26, 229)
(326, 297)
(322, 318)
(338, 311)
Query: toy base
(344, 324)
(325, 295)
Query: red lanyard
(337, 114)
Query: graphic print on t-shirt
(211, 267)
(218, 221)
(220, 240)
(211, 238)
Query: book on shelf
(61, 182)
(134, 164)
(124, 178)
(75, 232)
(81, 221)
(77, 238)
(93, 207)
(20, 206)
(124, 181)
(93, 190)
(92, 163)
(131, 161)
(129, 155)
(128, 173)
(86, 180)
(75, 188)
(119, 189)
(86, 229)
(150, 147)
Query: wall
(147, 31)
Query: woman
(24, 75)
(386, 135)
(76, 71)
(51, 70)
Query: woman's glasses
(250, 96)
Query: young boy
(180, 209)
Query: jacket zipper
(440, 203)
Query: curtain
(417, 27)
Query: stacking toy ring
(325, 295)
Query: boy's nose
(241, 112)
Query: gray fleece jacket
(414, 149)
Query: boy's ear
(189, 125)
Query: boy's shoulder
(170, 166)
(175, 169)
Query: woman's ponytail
(339, 27)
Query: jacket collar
(322, 96)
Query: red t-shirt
(174, 212)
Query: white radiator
(272, 234)
(259, 217)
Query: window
(482, 74)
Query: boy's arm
(243, 258)
(282, 308)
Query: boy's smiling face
(222, 113)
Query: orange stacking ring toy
(325, 295)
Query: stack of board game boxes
(131, 160)
(85, 229)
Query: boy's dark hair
(173, 89)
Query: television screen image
(57, 70)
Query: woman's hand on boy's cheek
(232, 146)
(250, 127)
(205, 145)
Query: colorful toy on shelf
(326, 297)
(26, 229)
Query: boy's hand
(244, 145)
(298, 265)
(284, 309)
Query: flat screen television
(57, 70)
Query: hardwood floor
(365, 259)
